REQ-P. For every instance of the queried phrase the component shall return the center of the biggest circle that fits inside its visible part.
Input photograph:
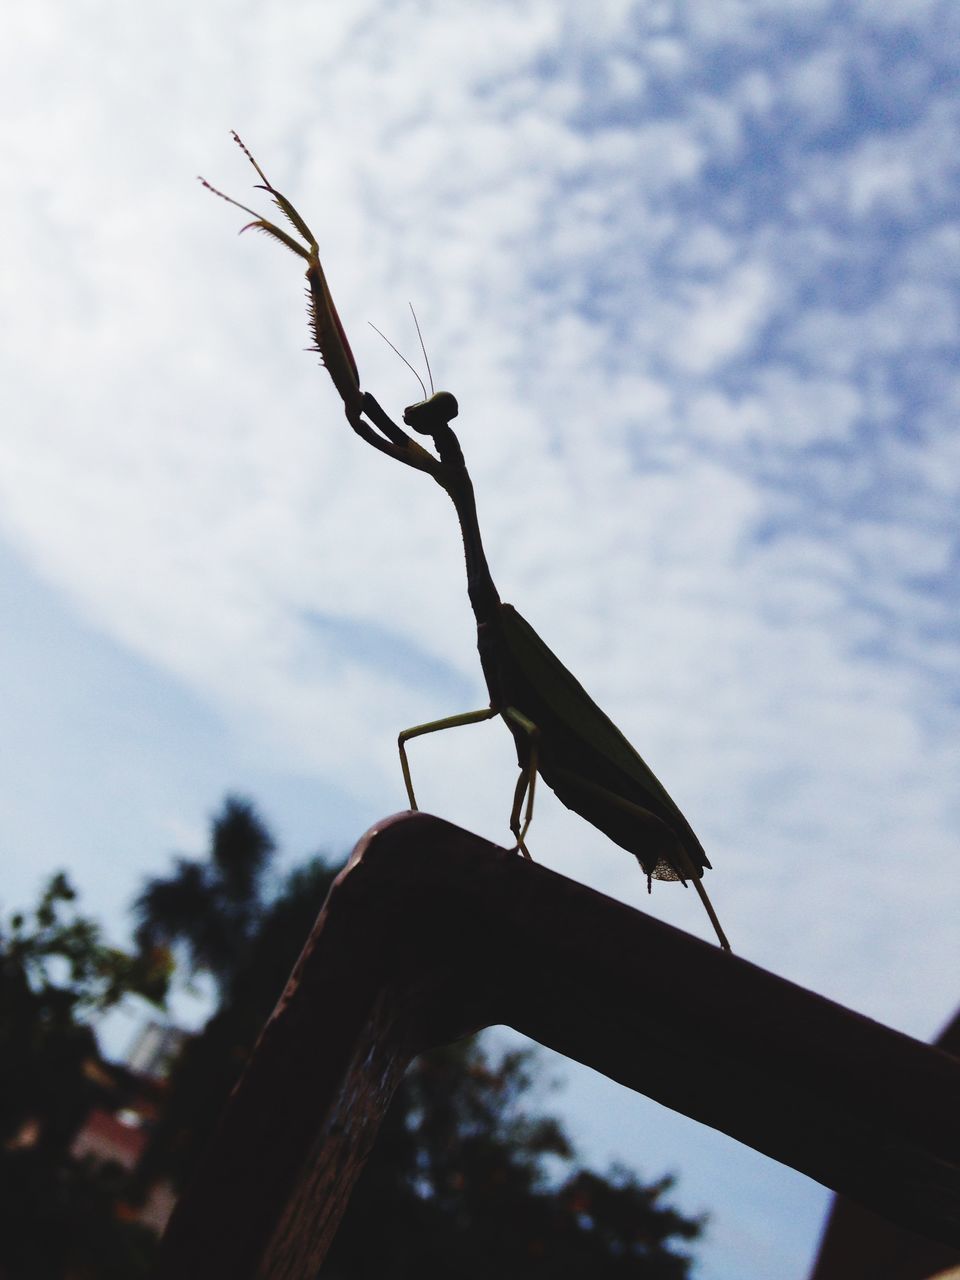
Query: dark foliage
(211, 1063)
(59, 1221)
(57, 1214)
(457, 1186)
(212, 908)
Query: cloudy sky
(691, 269)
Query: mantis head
(432, 415)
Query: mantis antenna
(423, 348)
(403, 357)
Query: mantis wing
(580, 742)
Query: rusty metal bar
(430, 933)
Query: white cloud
(816, 87)
(171, 477)
(722, 321)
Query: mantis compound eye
(430, 415)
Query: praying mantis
(559, 732)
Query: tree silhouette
(212, 908)
(458, 1185)
(58, 1213)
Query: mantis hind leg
(707, 904)
(686, 870)
(434, 726)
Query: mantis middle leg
(526, 783)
